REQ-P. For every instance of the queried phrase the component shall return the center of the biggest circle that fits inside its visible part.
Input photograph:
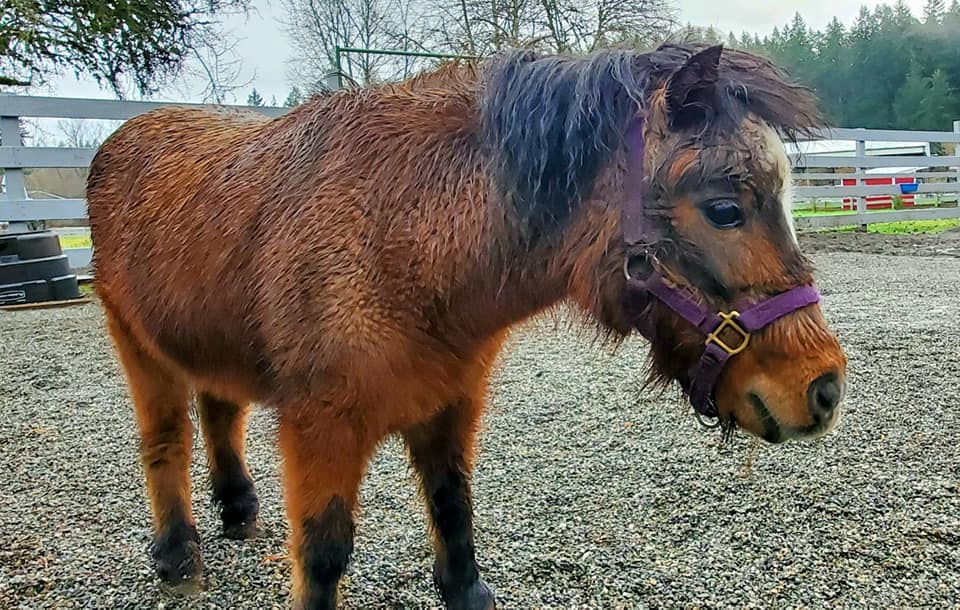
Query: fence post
(956, 153)
(861, 200)
(13, 177)
(333, 81)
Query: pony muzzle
(771, 368)
(789, 384)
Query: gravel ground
(589, 494)
(942, 244)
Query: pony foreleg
(224, 429)
(442, 453)
(323, 461)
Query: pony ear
(691, 89)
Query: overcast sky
(264, 45)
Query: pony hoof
(178, 562)
(186, 588)
(240, 531)
(239, 516)
(477, 597)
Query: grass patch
(75, 241)
(903, 227)
(840, 211)
(821, 212)
(908, 227)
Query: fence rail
(884, 135)
(870, 162)
(19, 211)
(936, 175)
(30, 106)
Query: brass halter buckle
(729, 320)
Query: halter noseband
(702, 380)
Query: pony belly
(208, 359)
(385, 392)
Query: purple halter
(702, 380)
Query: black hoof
(477, 596)
(176, 556)
(238, 514)
(241, 531)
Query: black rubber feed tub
(34, 269)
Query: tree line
(462, 27)
(890, 69)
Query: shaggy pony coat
(356, 263)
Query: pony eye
(724, 213)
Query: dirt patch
(920, 244)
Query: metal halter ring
(651, 259)
(713, 426)
(729, 320)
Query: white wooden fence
(19, 211)
(818, 175)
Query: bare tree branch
(318, 27)
(214, 60)
(474, 27)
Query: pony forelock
(551, 124)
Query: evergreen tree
(796, 49)
(833, 71)
(939, 104)
(254, 99)
(933, 11)
(908, 105)
(903, 16)
(865, 26)
(294, 98)
(951, 19)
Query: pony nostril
(823, 396)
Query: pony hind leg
(441, 451)
(224, 429)
(161, 404)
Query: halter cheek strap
(719, 327)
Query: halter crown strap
(633, 218)
(727, 333)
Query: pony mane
(551, 124)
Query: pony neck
(578, 264)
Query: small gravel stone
(589, 493)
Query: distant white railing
(943, 179)
(18, 211)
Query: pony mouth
(776, 433)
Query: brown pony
(356, 264)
